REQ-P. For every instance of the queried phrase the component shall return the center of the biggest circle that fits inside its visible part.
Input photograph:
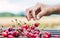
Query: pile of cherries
(25, 31)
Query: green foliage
(8, 14)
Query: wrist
(56, 10)
(52, 10)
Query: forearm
(56, 9)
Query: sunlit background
(15, 9)
(18, 7)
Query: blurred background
(15, 9)
(10, 8)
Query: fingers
(39, 15)
(33, 15)
(35, 11)
(28, 16)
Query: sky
(15, 6)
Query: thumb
(39, 15)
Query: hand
(38, 11)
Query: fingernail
(28, 18)
(35, 18)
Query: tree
(6, 14)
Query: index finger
(28, 13)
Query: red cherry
(25, 26)
(35, 35)
(22, 37)
(10, 36)
(5, 34)
(29, 30)
(15, 33)
(48, 33)
(56, 36)
(45, 36)
(35, 18)
(36, 24)
(37, 31)
(5, 31)
(32, 27)
(11, 29)
(10, 33)
(29, 34)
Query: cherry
(11, 29)
(35, 35)
(25, 26)
(37, 29)
(22, 37)
(15, 33)
(29, 34)
(48, 33)
(32, 27)
(10, 33)
(29, 30)
(5, 31)
(36, 24)
(10, 36)
(36, 32)
(56, 36)
(45, 36)
(5, 34)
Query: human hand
(38, 11)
